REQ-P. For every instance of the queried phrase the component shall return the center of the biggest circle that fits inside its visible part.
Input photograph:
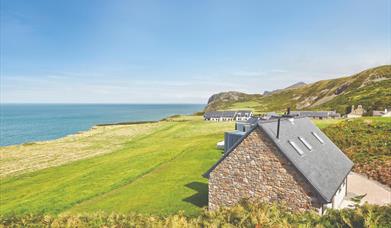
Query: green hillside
(370, 88)
(367, 142)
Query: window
(305, 143)
(297, 148)
(318, 137)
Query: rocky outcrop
(226, 96)
(341, 89)
(220, 101)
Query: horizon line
(94, 103)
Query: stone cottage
(286, 160)
(356, 112)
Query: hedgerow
(243, 215)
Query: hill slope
(371, 88)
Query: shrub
(243, 215)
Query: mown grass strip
(56, 189)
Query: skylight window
(305, 143)
(296, 147)
(318, 137)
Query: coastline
(94, 127)
(26, 124)
(98, 140)
(126, 123)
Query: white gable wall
(341, 193)
(338, 197)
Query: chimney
(278, 128)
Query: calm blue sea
(20, 123)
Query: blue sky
(83, 51)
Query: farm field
(154, 171)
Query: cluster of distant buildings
(360, 111)
(241, 115)
(244, 115)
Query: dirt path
(359, 185)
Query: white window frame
(305, 143)
(317, 137)
(296, 147)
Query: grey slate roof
(218, 114)
(270, 115)
(325, 166)
(229, 114)
(209, 115)
(252, 120)
(315, 114)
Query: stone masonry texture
(257, 170)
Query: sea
(23, 123)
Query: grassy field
(32, 156)
(158, 172)
(152, 168)
(322, 124)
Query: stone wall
(256, 170)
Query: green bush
(243, 215)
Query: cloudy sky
(101, 51)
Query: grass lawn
(159, 172)
(325, 123)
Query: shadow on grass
(200, 199)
